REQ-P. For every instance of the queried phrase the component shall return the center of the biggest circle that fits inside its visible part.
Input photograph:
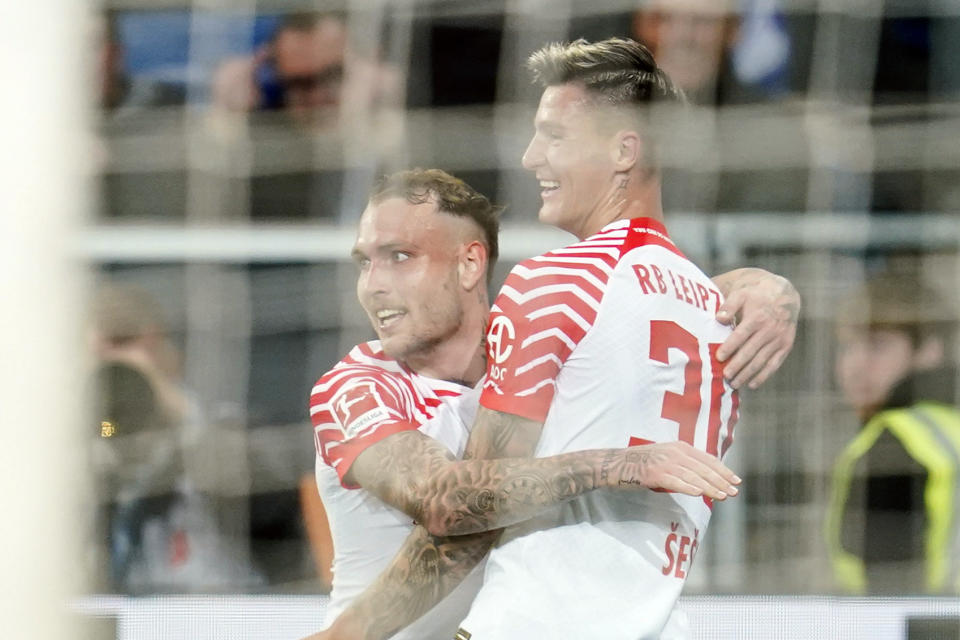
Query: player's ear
(472, 266)
(627, 151)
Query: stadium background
(839, 160)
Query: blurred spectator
(160, 531)
(129, 329)
(722, 57)
(324, 80)
(701, 44)
(310, 71)
(117, 91)
(137, 455)
(891, 521)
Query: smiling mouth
(547, 187)
(386, 318)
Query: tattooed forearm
(418, 476)
(449, 497)
(471, 496)
(422, 573)
(476, 495)
(606, 464)
(498, 483)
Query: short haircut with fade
(620, 71)
(618, 74)
(452, 195)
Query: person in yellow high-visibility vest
(893, 522)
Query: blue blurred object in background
(157, 44)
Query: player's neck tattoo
(483, 343)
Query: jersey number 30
(684, 408)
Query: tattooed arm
(417, 475)
(766, 308)
(438, 564)
(424, 571)
(428, 567)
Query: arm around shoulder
(450, 497)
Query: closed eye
(550, 131)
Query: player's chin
(391, 344)
(402, 346)
(548, 214)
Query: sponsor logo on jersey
(500, 337)
(358, 407)
(653, 232)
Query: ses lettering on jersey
(500, 338)
(357, 407)
(680, 550)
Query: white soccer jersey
(366, 397)
(610, 341)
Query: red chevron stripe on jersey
(545, 308)
(366, 397)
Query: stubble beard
(420, 348)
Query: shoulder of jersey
(368, 364)
(365, 360)
(580, 270)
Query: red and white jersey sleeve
(366, 397)
(544, 309)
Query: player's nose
(373, 281)
(533, 156)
